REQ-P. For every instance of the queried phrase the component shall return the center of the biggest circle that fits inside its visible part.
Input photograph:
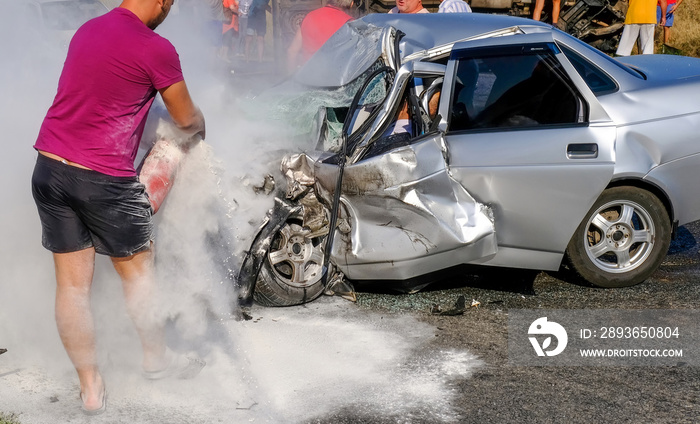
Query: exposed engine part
(267, 186)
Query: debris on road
(339, 286)
(458, 309)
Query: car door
(406, 215)
(527, 137)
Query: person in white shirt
(454, 6)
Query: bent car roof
(425, 31)
(355, 47)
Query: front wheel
(292, 270)
(622, 240)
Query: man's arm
(663, 5)
(186, 116)
(675, 6)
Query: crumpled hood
(344, 57)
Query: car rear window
(598, 81)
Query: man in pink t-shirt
(85, 186)
(316, 28)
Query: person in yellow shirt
(640, 23)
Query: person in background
(640, 23)
(409, 6)
(556, 8)
(230, 29)
(670, 13)
(316, 28)
(244, 7)
(215, 17)
(454, 6)
(256, 28)
(87, 190)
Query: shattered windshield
(313, 115)
(370, 99)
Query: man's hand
(663, 4)
(186, 116)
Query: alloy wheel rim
(619, 236)
(296, 259)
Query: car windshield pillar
(385, 112)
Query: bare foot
(94, 397)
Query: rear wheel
(292, 271)
(622, 240)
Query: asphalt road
(501, 393)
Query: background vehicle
(542, 148)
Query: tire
(622, 240)
(292, 270)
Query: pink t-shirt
(114, 67)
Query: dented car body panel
(431, 214)
(488, 140)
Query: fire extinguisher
(158, 170)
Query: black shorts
(229, 36)
(80, 208)
(257, 22)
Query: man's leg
(537, 13)
(138, 281)
(248, 41)
(242, 31)
(556, 8)
(74, 320)
(627, 40)
(646, 38)
(261, 47)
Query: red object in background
(318, 26)
(234, 19)
(158, 171)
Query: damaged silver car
(486, 140)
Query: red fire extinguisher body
(158, 171)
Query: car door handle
(582, 151)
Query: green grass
(685, 33)
(8, 418)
